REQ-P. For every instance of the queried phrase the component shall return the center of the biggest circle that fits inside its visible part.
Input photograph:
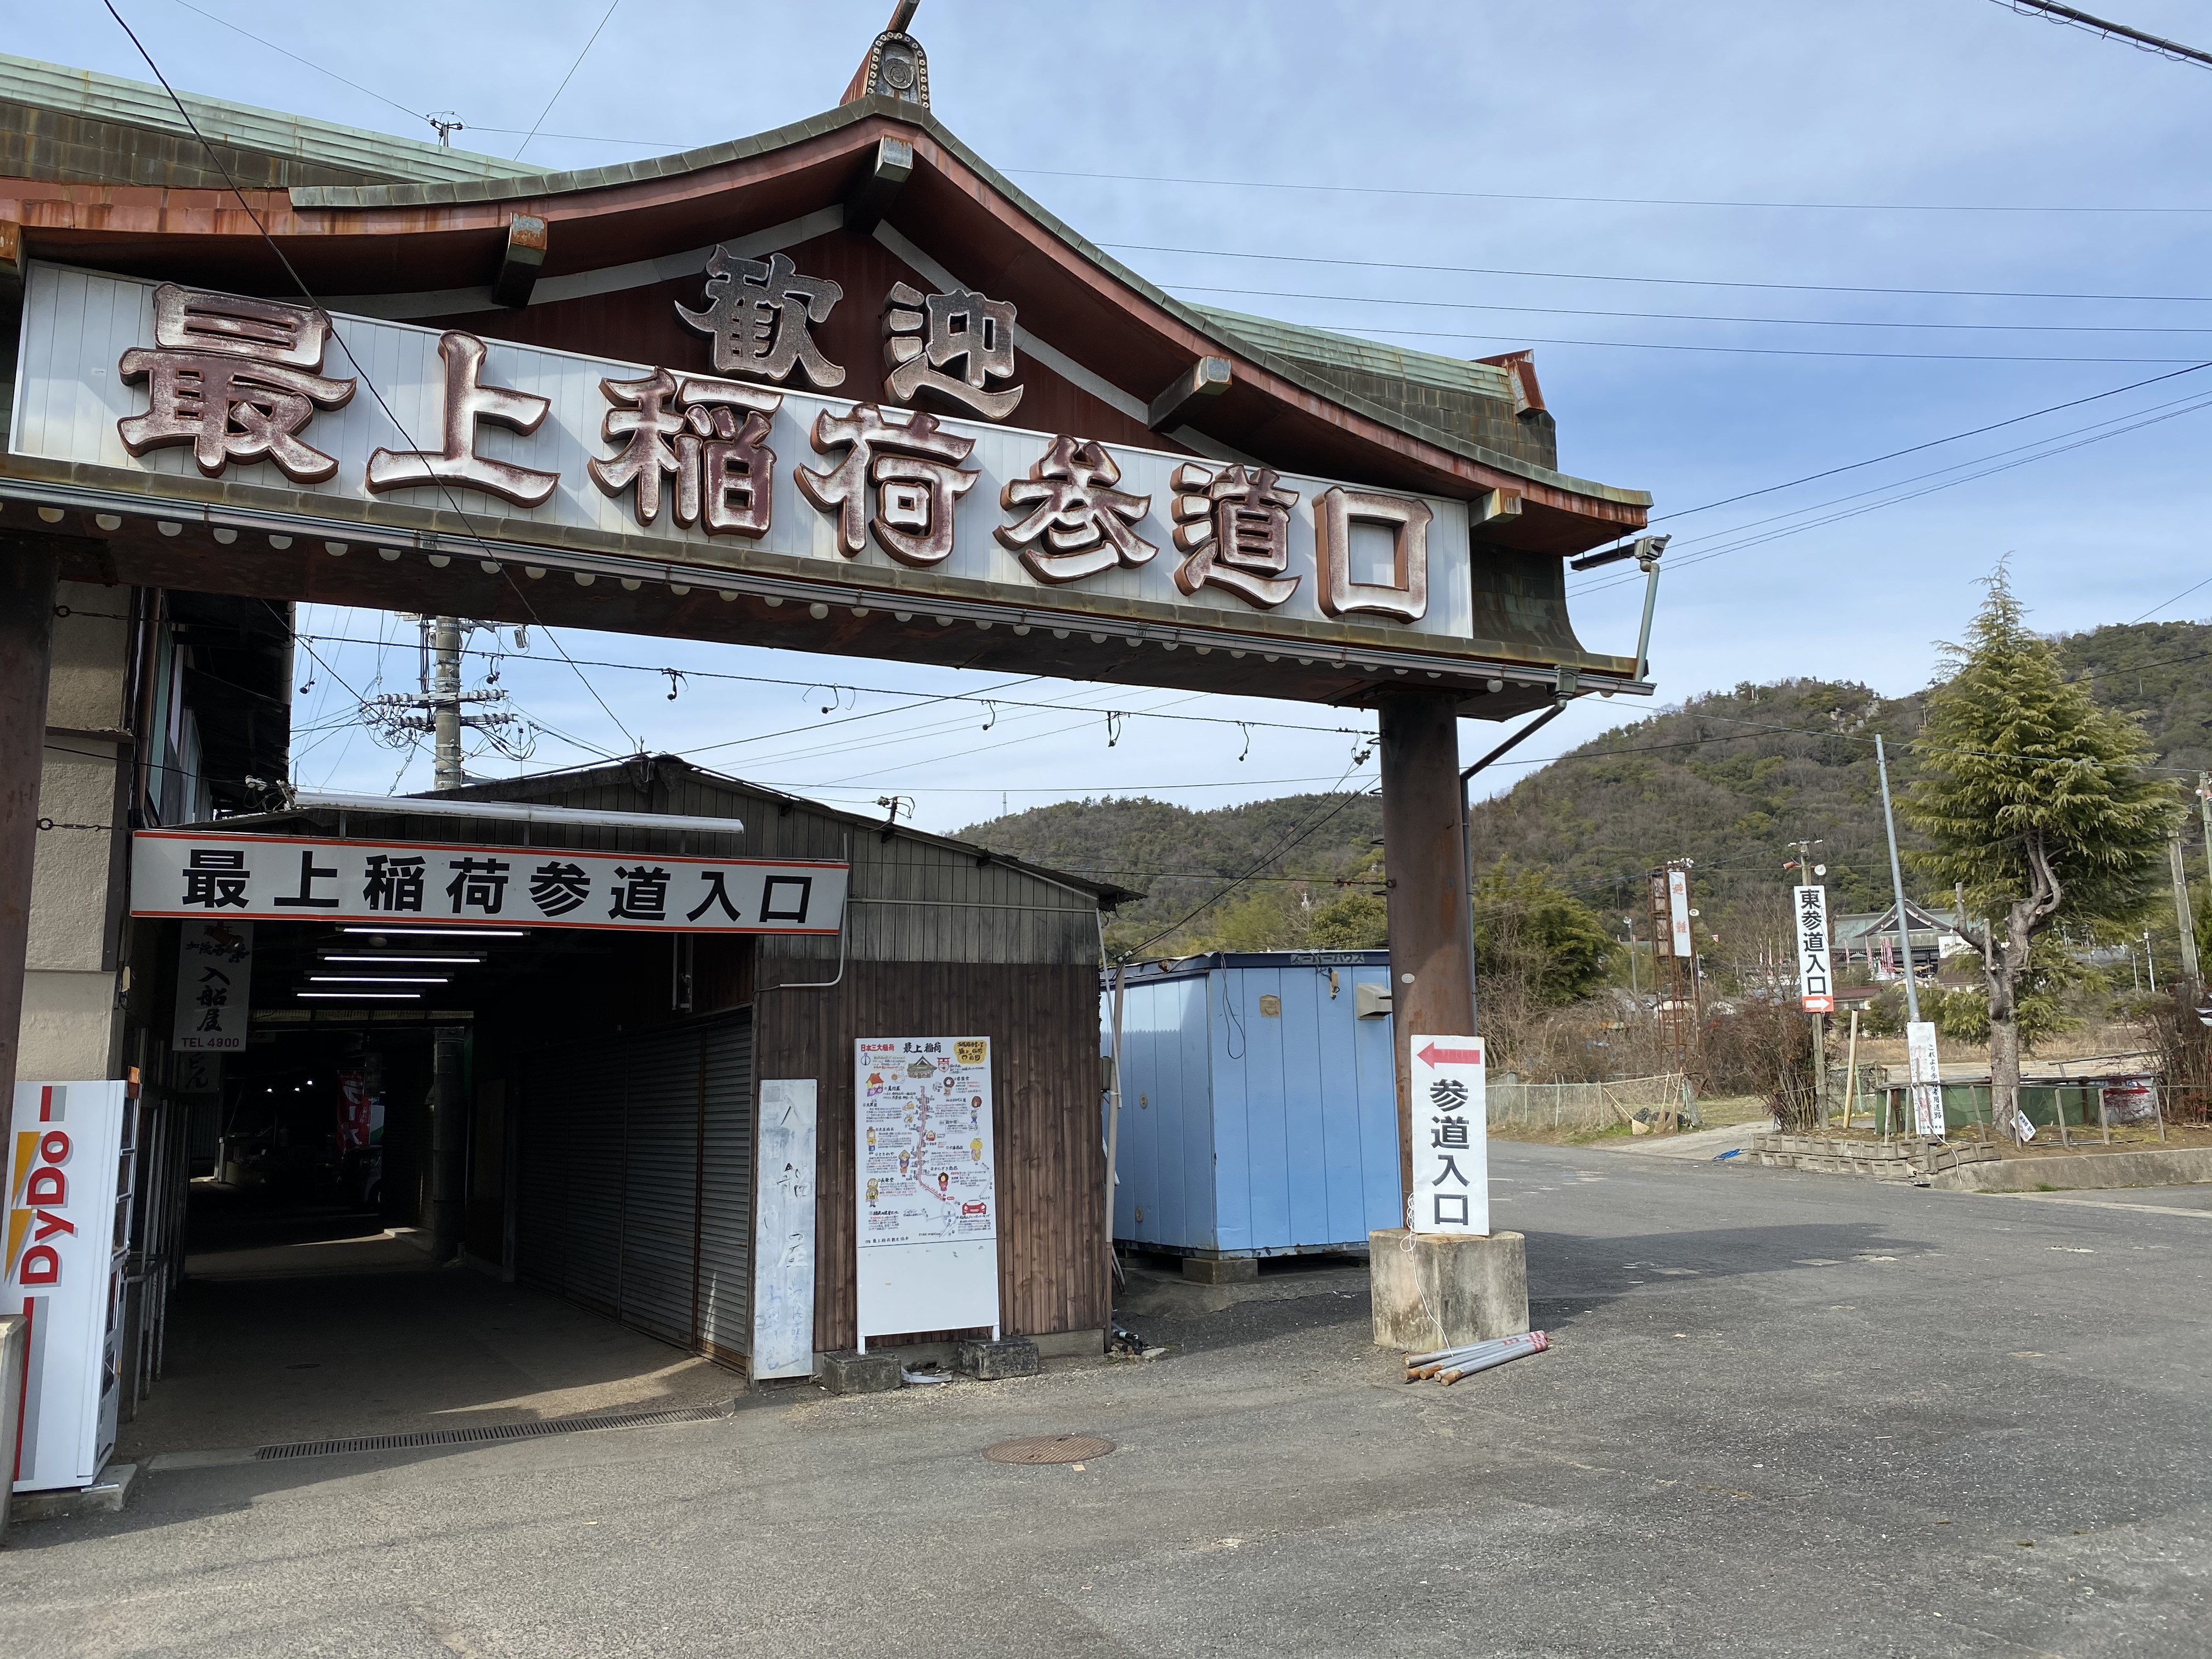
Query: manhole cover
(1049, 1448)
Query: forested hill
(1726, 780)
(1178, 858)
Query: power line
(1765, 351)
(2172, 50)
(983, 696)
(1700, 317)
(1279, 849)
(306, 63)
(1664, 281)
(344, 344)
(565, 79)
(1591, 201)
(1932, 443)
(2115, 431)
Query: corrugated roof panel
(1367, 356)
(91, 95)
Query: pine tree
(2040, 803)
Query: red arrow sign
(1432, 1055)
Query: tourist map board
(927, 1200)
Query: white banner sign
(1816, 989)
(176, 873)
(783, 1258)
(1451, 1152)
(1927, 1079)
(927, 1199)
(1678, 912)
(214, 986)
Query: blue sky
(1916, 122)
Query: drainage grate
(370, 1442)
(1049, 1448)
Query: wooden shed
(613, 1083)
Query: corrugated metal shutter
(589, 1082)
(635, 1195)
(660, 1184)
(726, 1234)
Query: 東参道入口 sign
(1816, 986)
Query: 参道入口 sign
(1451, 1154)
(232, 878)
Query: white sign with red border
(218, 877)
(1451, 1154)
(1816, 986)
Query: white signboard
(1816, 989)
(1678, 911)
(177, 872)
(927, 1198)
(1927, 1079)
(783, 1253)
(214, 986)
(679, 462)
(1451, 1152)
(69, 1167)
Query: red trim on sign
(1433, 1056)
(405, 920)
(46, 1103)
(508, 848)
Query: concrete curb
(2180, 1167)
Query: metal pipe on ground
(1450, 1364)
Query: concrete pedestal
(1447, 1289)
(852, 1372)
(1220, 1269)
(989, 1362)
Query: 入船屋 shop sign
(237, 878)
(694, 461)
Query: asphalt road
(1785, 1414)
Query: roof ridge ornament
(896, 66)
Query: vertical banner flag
(214, 986)
(1451, 1155)
(1678, 906)
(1815, 989)
(1927, 1079)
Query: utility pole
(2181, 910)
(446, 703)
(1674, 969)
(2204, 811)
(1806, 879)
(1927, 1074)
(1897, 886)
(440, 708)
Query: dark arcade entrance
(351, 1263)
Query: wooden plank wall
(1044, 1026)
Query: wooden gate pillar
(1425, 859)
(26, 634)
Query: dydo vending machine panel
(71, 1159)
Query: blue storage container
(1259, 1111)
